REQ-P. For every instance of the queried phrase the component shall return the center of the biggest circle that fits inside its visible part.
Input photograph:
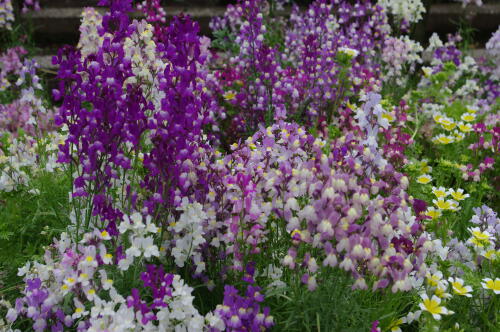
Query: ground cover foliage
(303, 172)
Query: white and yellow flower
(427, 71)
(440, 192)
(433, 306)
(443, 139)
(349, 51)
(441, 292)
(447, 124)
(435, 279)
(479, 238)
(458, 194)
(395, 325)
(448, 204)
(468, 117)
(493, 285)
(458, 287)
(229, 95)
(465, 127)
(424, 166)
(491, 254)
(424, 179)
(458, 136)
(433, 212)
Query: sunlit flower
(438, 117)
(349, 51)
(448, 204)
(427, 71)
(465, 127)
(458, 287)
(230, 95)
(388, 116)
(468, 117)
(458, 136)
(433, 212)
(434, 279)
(493, 285)
(424, 167)
(432, 305)
(448, 125)
(490, 254)
(458, 194)
(440, 192)
(479, 238)
(424, 179)
(440, 290)
(443, 139)
(395, 325)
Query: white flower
(150, 249)
(349, 51)
(24, 270)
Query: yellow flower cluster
(443, 204)
(456, 129)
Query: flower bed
(309, 171)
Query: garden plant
(302, 169)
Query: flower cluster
(400, 55)
(242, 313)
(405, 12)
(215, 184)
(6, 14)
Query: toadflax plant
(242, 183)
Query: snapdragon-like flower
(189, 235)
(244, 312)
(6, 14)
(401, 56)
(405, 11)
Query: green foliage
(334, 306)
(224, 41)
(30, 221)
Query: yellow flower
(427, 71)
(230, 95)
(448, 125)
(424, 167)
(388, 116)
(445, 204)
(441, 291)
(440, 192)
(424, 179)
(434, 279)
(468, 117)
(494, 285)
(458, 136)
(394, 326)
(458, 287)
(490, 254)
(433, 212)
(438, 117)
(432, 305)
(458, 194)
(443, 139)
(464, 127)
(479, 238)
(105, 235)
